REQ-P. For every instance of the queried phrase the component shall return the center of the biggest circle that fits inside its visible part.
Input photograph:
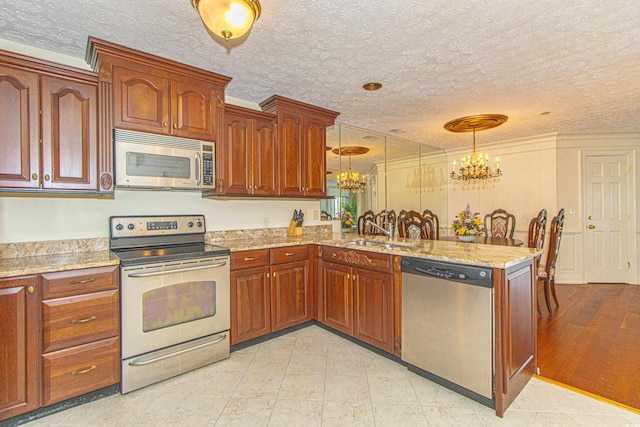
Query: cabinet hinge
(628, 264)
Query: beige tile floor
(312, 377)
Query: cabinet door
(237, 155)
(69, 134)
(289, 294)
(250, 304)
(337, 297)
(314, 164)
(18, 346)
(193, 110)
(19, 136)
(373, 308)
(264, 158)
(140, 101)
(290, 154)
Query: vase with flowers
(466, 226)
(346, 217)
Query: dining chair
(363, 227)
(548, 273)
(500, 223)
(537, 233)
(413, 225)
(434, 219)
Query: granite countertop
(22, 266)
(462, 253)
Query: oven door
(170, 303)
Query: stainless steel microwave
(144, 160)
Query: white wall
(527, 185)
(28, 219)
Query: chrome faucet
(388, 232)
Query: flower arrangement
(347, 219)
(467, 223)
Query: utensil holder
(294, 230)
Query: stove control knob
(190, 224)
(199, 223)
(131, 226)
(119, 227)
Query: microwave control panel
(207, 166)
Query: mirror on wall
(398, 175)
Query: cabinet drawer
(79, 319)
(289, 254)
(78, 370)
(249, 259)
(73, 282)
(365, 259)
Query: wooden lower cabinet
(337, 297)
(78, 370)
(515, 331)
(373, 308)
(289, 294)
(270, 290)
(80, 315)
(250, 304)
(19, 345)
(358, 301)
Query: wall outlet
(266, 222)
(572, 211)
(315, 214)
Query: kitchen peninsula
(376, 264)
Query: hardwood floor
(592, 341)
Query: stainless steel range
(175, 297)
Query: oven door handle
(177, 353)
(177, 270)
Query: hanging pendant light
(475, 166)
(228, 19)
(350, 180)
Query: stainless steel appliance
(175, 297)
(447, 325)
(144, 160)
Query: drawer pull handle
(289, 253)
(84, 371)
(250, 258)
(31, 289)
(88, 319)
(81, 282)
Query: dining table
(487, 240)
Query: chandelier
(475, 166)
(351, 180)
(229, 19)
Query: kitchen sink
(363, 242)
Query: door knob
(591, 226)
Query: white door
(607, 234)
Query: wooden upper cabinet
(148, 93)
(301, 145)
(247, 154)
(49, 137)
(69, 134)
(19, 135)
(315, 157)
(141, 101)
(193, 109)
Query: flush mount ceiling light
(228, 19)
(474, 166)
(350, 180)
(372, 86)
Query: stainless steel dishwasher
(447, 325)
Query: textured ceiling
(437, 60)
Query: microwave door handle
(198, 173)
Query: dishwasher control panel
(472, 275)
